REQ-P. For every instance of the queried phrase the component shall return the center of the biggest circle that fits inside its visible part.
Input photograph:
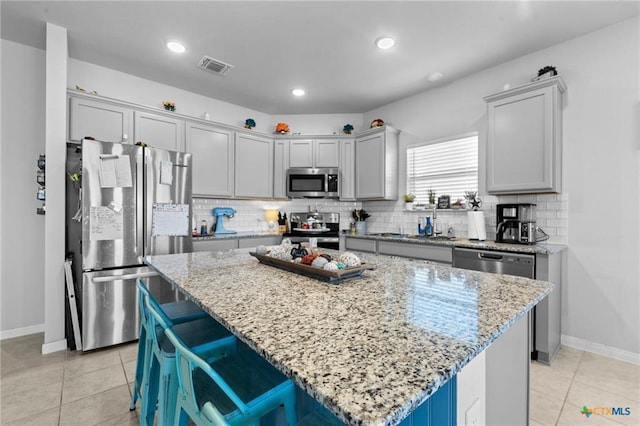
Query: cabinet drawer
(416, 251)
(259, 241)
(362, 245)
(215, 245)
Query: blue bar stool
(175, 313)
(237, 389)
(204, 336)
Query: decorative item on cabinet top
(249, 123)
(347, 129)
(544, 73)
(169, 105)
(377, 123)
(282, 128)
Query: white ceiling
(325, 47)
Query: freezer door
(109, 205)
(110, 313)
(168, 209)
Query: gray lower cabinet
(361, 245)
(547, 318)
(429, 252)
(234, 243)
(270, 240)
(215, 245)
(417, 251)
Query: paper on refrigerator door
(170, 220)
(166, 173)
(105, 224)
(115, 171)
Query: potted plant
(408, 201)
(432, 199)
(347, 129)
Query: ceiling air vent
(215, 66)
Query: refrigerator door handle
(123, 277)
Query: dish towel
(476, 226)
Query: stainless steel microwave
(307, 182)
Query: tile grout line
(566, 395)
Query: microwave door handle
(326, 183)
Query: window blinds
(449, 168)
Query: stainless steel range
(324, 227)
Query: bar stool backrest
(187, 363)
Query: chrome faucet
(434, 216)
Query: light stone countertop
(370, 349)
(239, 234)
(538, 248)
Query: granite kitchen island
(371, 349)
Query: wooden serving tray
(333, 277)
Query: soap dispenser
(428, 229)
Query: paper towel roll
(476, 227)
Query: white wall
(22, 272)
(600, 169)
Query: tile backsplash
(551, 216)
(390, 216)
(250, 214)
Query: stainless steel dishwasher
(521, 265)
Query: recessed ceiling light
(298, 92)
(385, 42)
(434, 76)
(176, 47)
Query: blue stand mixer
(219, 213)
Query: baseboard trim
(597, 348)
(57, 346)
(19, 332)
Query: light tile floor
(68, 388)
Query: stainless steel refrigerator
(123, 202)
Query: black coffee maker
(516, 223)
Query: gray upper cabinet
(524, 140)
(347, 169)
(100, 120)
(159, 131)
(301, 153)
(280, 166)
(253, 167)
(377, 164)
(314, 153)
(326, 153)
(213, 156)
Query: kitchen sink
(387, 234)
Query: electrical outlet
(473, 415)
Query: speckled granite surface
(538, 248)
(370, 349)
(240, 234)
